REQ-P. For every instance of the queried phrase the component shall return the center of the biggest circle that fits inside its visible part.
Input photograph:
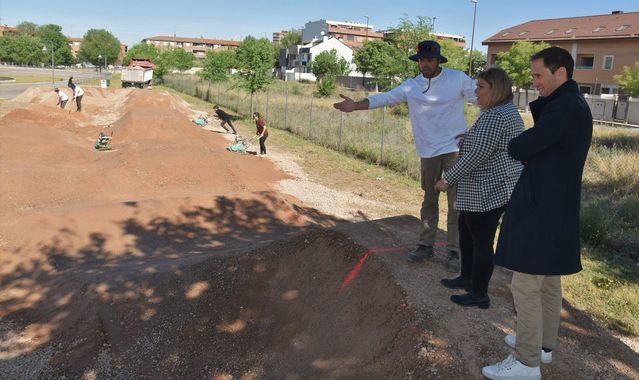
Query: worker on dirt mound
(226, 119)
(78, 93)
(62, 98)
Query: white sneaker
(546, 357)
(511, 369)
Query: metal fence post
(310, 118)
(286, 110)
(341, 128)
(381, 154)
(266, 112)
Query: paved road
(11, 90)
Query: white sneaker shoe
(511, 369)
(546, 357)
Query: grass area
(35, 78)
(607, 288)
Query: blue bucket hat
(428, 49)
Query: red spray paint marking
(355, 271)
(353, 274)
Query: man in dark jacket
(226, 119)
(539, 239)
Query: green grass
(35, 78)
(607, 288)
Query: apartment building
(277, 36)
(601, 45)
(352, 34)
(7, 30)
(198, 46)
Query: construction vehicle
(139, 73)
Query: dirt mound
(277, 312)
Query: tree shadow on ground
(61, 312)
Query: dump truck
(139, 73)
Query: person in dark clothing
(539, 238)
(262, 132)
(485, 176)
(226, 119)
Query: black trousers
(78, 102)
(476, 238)
(262, 145)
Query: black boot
(457, 283)
(420, 253)
(470, 299)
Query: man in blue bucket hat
(435, 101)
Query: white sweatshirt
(436, 116)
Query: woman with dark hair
(78, 93)
(262, 132)
(485, 176)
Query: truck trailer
(139, 73)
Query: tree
(479, 62)
(99, 42)
(405, 37)
(254, 59)
(51, 34)
(380, 59)
(27, 27)
(141, 50)
(328, 63)
(629, 79)
(292, 38)
(178, 59)
(456, 55)
(516, 62)
(25, 49)
(217, 65)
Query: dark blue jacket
(540, 230)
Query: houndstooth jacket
(485, 174)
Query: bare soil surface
(170, 257)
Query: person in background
(262, 132)
(62, 98)
(435, 101)
(78, 93)
(539, 237)
(226, 119)
(485, 176)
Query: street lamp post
(472, 38)
(100, 57)
(44, 49)
(434, 18)
(366, 27)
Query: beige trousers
(432, 169)
(538, 306)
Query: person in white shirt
(435, 101)
(62, 98)
(77, 95)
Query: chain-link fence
(378, 136)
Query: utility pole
(472, 39)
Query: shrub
(326, 87)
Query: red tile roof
(615, 25)
(194, 40)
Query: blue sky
(131, 21)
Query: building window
(608, 61)
(505, 34)
(551, 31)
(570, 30)
(585, 89)
(524, 32)
(585, 61)
(350, 37)
(598, 29)
(610, 89)
(622, 27)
